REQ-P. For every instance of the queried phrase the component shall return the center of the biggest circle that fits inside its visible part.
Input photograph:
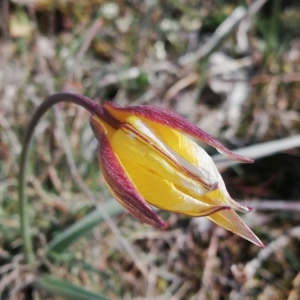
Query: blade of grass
(63, 240)
(68, 260)
(67, 290)
(259, 151)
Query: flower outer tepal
(145, 156)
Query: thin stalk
(88, 104)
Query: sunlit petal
(118, 181)
(137, 143)
(232, 222)
(166, 195)
(146, 156)
(140, 149)
(171, 120)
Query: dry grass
(245, 91)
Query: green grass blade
(63, 240)
(67, 290)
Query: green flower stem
(88, 104)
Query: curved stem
(88, 104)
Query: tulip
(146, 157)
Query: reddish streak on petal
(172, 120)
(119, 183)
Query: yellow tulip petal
(170, 120)
(118, 180)
(176, 147)
(232, 222)
(179, 143)
(198, 156)
(129, 146)
(135, 142)
(136, 129)
(159, 164)
(165, 195)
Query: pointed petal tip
(231, 221)
(249, 208)
(148, 216)
(257, 242)
(153, 219)
(233, 156)
(161, 224)
(251, 237)
(254, 240)
(247, 160)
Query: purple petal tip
(250, 208)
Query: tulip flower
(146, 157)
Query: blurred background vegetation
(231, 67)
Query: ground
(235, 76)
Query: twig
(134, 72)
(208, 268)
(181, 291)
(221, 32)
(252, 266)
(10, 266)
(267, 78)
(178, 86)
(230, 66)
(271, 205)
(13, 272)
(151, 283)
(75, 69)
(98, 23)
